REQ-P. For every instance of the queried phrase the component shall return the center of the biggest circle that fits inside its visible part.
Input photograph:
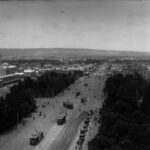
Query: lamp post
(17, 115)
(53, 92)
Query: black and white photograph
(74, 74)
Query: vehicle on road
(83, 100)
(83, 130)
(80, 142)
(68, 105)
(82, 136)
(36, 138)
(61, 119)
(87, 121)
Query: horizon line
(77, 49)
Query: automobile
(36, 138)
(83, 130)
(88, 118)
(85, 126)
(86, 121)
(80, 142)
(82, 136)
(88, 115)
(79, 146)
(68, 105)
(61, 119)
(83, 100)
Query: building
(29, 72)
(8, 79)
(136, 69)
(11, 69)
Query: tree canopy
(125, 115)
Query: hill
(67, 52)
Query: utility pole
(67, 100)
(17, 119)
(53, 92)
(66, 112)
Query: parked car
(68, 105)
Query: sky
(99, 24)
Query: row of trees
(20, 101)
(16, 106)
(125, 115)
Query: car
(88, 115)
(86, 121)
(78, 147)
(80, 142)
(68, 105)
(83, 130)
(82, 136)
(83, 100)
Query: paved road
(51, 135)
(64, 140)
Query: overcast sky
(101, 24)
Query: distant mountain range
(66, 52)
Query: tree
(123, 123)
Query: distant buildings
(136, 69)
(6, 69)
(28, 72)
(130, 69)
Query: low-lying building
(136, 69)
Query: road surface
(64, 140)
